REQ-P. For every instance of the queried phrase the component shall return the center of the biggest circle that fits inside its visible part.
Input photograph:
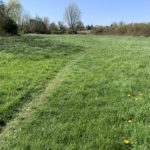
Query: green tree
(53, 28)
(7, 25)
(14, 10)
(2, 9)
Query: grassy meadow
(94, 92)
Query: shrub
(8, 26)
(136, 29)
(71, 31)
(53, 28)
(37, 26)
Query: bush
(37, 26)
(137, 29)
(8, 26)
(53, 28)
(71, 31)
(34, 26)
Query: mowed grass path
(101, 101)
(26, 65)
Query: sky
(96, 12)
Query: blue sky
(97, 12)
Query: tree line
(134, 29)
(13, 20)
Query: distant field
(97, 93)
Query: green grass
(99, 94)
(26, 65)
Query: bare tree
(46, 21)
(62, 28)
(25, 17)
(72, 15)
